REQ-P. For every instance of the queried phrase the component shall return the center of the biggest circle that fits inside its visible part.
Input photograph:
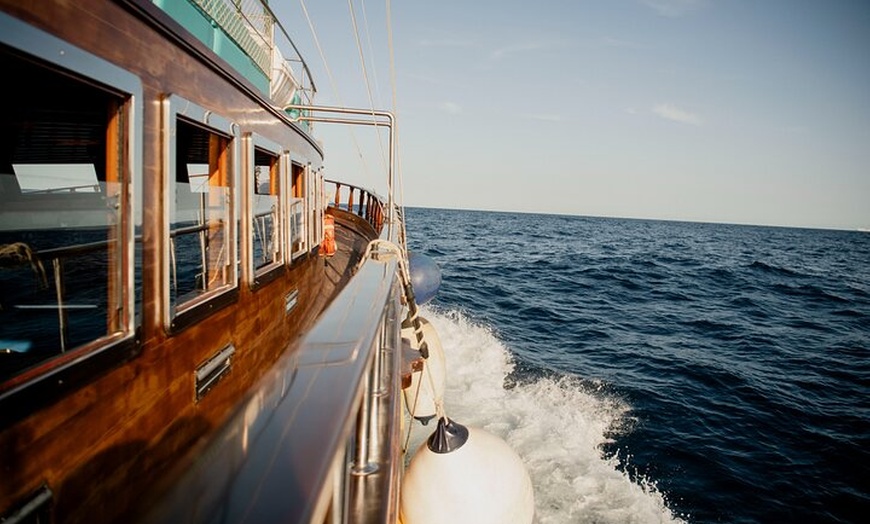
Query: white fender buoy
(466, 476)
(424, 394)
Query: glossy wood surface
(100, 446)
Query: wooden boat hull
(103, 434)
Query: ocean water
(650, 371)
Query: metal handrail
(187, 230)
(250, 24)
(306, 71)
(56, 257)
(235, 18)
(361, 117)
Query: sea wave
(720, 370)
(557, 423)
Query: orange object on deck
(327, 246)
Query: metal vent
(35, 511)
(290, 301)
(213, 370)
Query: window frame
(268, 272)
(321, 205)
(177, 317)
(297, 188)
(46, 380)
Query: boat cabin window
(69, 264)
(266, 211)
(296, 217)
(202, 250)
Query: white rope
(418, 326)
(412, 410)
(393, 248)
(402, 250)
(439, 402)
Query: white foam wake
(557, 426)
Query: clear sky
(739, 111)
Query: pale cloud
(620, 43)
(524, 47)
(674, 8)
(446, 42)
(546, 118)
(432, 80)
(674, 113)
(451, 108)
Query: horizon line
(650, 219)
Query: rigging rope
(332, 81)
(401, 184)
(319, 49)
(362, 64)
(371, 50)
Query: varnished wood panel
(101, 445)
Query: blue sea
(653, 371)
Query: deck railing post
(371, 199)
